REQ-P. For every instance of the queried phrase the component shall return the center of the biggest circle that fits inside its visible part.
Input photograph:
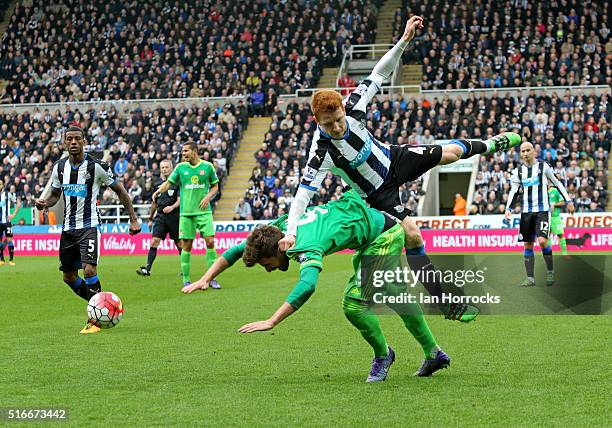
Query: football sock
(415, 322)
(151, 257)
(11, 247)
(529, 263)
(211, 256)
(368, 324)
(548, 257)
(563, 245)
(86, 290)
(185, 265)
(1, 251)
(470, 148)
(421, 265)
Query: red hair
(325, 101)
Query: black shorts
(407, 164)
(534, 224)
(6, 229)
(166, 224)
(79, 247)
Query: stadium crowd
(156, 49)
(492, 44)
(571, 132)
(135, 143)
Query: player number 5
(91, 246)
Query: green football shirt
(195, 183)
(347, 223)
(554, 196)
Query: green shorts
(556, 225)
(189, 225)
(384, 254)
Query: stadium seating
(510, 43)
(185, 49)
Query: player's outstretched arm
(202, 284)
(17, 208)
(297, 209)
(385, 66)
(125, 200)
(515, 185)
(299, 295)
(163, 188)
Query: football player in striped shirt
(533, 177)
(79, 178)
(343, 145)
(7, 201)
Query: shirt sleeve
(104, 174)
(553, 179)
(212, 175)
(175, 177)
(318, 165)
(305, 287)
(515, 183)
(55, 182)
(235, 253)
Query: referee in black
(164, 218)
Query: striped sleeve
(357, 102)
(104, 173)
(55, 181)
(555, 181)
(318, 165)
(515, 183)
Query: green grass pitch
(178, 360)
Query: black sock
(422, 266)
(471, 148)
(11, 251)
(548, 258)
(151, 257)
(83, 290)
(529, 263)
(1, 251)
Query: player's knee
(210, 242)
(155, 242)
(451, 153)
(90, 270)
(412, 232)
(186, 245)
(543, 242)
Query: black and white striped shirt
(533, 180)
(361, 160)
(80, 185)
(7, 202)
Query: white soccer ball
(105, 309)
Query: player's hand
(256, 326)
(134, 227)
(201, 284)
(150, 224)
(168, 209)
(570, 208)
(204, 204)
(414, 23)
(10, 217)
(286, 243)
(508, 215)
(41, 204)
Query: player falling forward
(533, 177)
(342, 144)
(163, 218)
(556, 221)
(344, 224)
(79, 178)
(198, 185)
(7, 201)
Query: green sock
(563, 245)
(368, 324)
(185, 265)
(211, 256)
(415, 322)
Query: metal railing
(385, 90)
(123, 105)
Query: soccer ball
(105, 309)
